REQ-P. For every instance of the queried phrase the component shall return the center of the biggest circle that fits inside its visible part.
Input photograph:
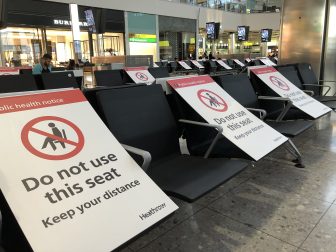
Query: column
(75, 32)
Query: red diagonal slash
(43, 133)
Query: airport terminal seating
(17, 83)
(159, 72)
(133, 118)
(108, 78)
(56, 80)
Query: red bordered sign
(212, 100)
(53, 143)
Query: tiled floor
(272, 206)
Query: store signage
(68, 23)
(216, 106)
(74, 184)
(283, 87)
(144, 38)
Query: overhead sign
(144, 38)
(184, 65)
(238, 62)
(223, 64)
(216, 106)
(267, 62)
(283, 87)
(197, 64)
(68, 181)
(140, 75)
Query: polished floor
(271, 206)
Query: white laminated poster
(267, 62)
(283, 87)
(70, 184)
(240, 126)
(140, 75)
(248, 60)
(223, 64)
(197, 64)
(237, 61)
(184, 65)
(155, 65)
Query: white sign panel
(9, 71)
(184, 65)
(283, 87)
(68, 181)
(239, 62)
(267, 62)
(248, 60)
(197, 64)
(240, 126)
(140, 75)
(155, 65)
(223, 64)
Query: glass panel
(20, 46)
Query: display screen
(266, 35)
(90, 20)
(211, 30)
(243, 33)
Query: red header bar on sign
(135, 68)
(192, 81)
(264, 70)
(43, 100)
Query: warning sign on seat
(140, 75)
(239, 125)
(69, 182)
(283, 87)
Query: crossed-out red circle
(220, 100)
(279, 83)
(29, 127)
(141, 76)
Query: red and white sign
(140, 75)
(248, 60)
(237, 61)
(63, 171)
(267, 62)
(223, 64)
(284, 88)
(197, 64)
(216, 106)
(9, 71)
(184, 65)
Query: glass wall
(239, 6)
(20, 46)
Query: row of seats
(153, 123)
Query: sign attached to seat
(197, 64)
(140, 75)
(223, 64)
(283, 87)
(184, 65)
(267, 62)
(68, 181)
(9, 71)
(240, 126)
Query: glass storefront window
(113, 44)
(20, 46)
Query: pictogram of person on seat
(213, 101)
(51, 141)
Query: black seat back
(108, 78)
(240, 88)
(59, 80)
(159, 72)
(58, 69)
(26, 71)
(17, 83)
(141, 117)
(308, 76)
(291, 74)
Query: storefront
(34, 28)
(177, 38)
(142, 37)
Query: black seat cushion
(17, 83)
(159, 72)
(291, 128)
(108, 78)
(59, 80)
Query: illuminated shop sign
(68, 22)
(144, 38)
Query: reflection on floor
(272, 206)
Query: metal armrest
(217, 127)
(309, 92)
(146, 156)
(285, 109)
(275, 98)
(317, 85)
(262, 112)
